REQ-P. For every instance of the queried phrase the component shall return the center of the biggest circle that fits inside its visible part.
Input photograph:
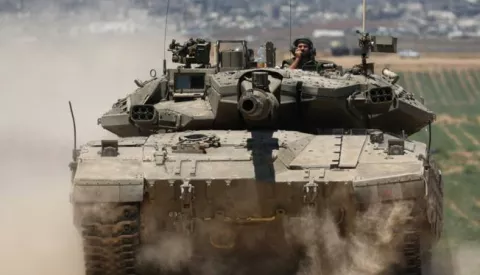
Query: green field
(455, 96)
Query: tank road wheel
(110, 235)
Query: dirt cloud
(42, 66)
(369, 251)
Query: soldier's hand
(298, 53)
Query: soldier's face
(303, 47)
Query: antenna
(290, 23)
(365, 41)
(74, 155)
(165, 40)
(364, 13)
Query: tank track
(412, 254)
(111, 238)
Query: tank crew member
(303, 52)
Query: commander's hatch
(188, 82)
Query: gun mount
(256, 102)
(369, 43)
(193, 51)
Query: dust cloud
(374, 247)
(171, 252)
(466, 259)
(45, 61)
(371, 250)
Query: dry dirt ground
(37, 80)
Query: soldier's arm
(294, 64)
(286, 63)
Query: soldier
(303, 52)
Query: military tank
(214, 161)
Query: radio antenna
(74, 155)
(365, 40)
(364, 13)
(165, 40)
(290, 23)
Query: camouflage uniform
(287, 62)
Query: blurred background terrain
(424, 25)
(91, 50)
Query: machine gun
(194, 51)
(370, 43)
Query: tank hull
(244, 206)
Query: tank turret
(234, 94)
